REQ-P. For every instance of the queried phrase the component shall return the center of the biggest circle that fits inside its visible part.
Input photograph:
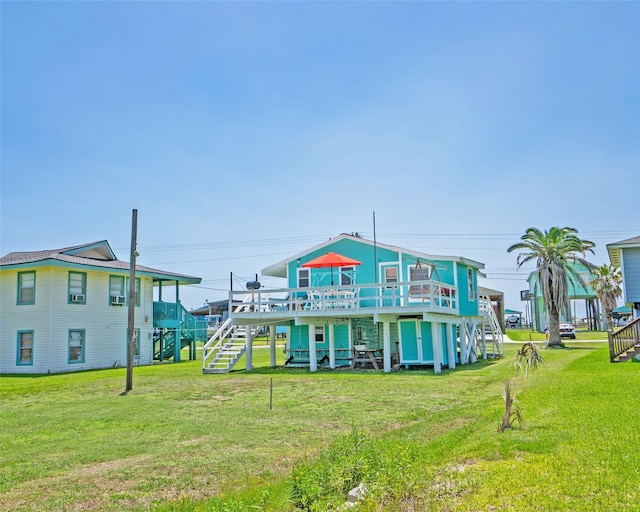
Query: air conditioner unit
(118, 300)
(77, 297)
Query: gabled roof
(615, 248)
(98, 255)
(280, 269)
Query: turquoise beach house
(350, 302)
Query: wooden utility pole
(131, 332)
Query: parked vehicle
(513, 321)
(621, 321)
(567, 331)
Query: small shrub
(382, 466)
(526, 359)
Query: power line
(394, 235)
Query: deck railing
(171, 315)
(425, 295)
(624, 339)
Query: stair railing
(623, 339)
(196, 329)
(214, 344)
(486, 309)
(223, 333)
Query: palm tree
(554, 251)
(606, 283)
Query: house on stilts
(351, 302)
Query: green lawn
(529, 335)
(186, 441)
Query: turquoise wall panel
(341, 336)
(443, 335)
(363, 252)
(427, 341)
(299, 337)
(467, 307)
(409, 342)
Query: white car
(567, 331)
(512, 321)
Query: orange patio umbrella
(331, 259)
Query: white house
(65, 310)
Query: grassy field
(529, 335)
(185, 441)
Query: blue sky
(246, 132)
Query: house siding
(467, 307)
(631, 271)
(415, 321)
(52, 316)
(365, 273)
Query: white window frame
(347, 275)
(473, 294)
(393, 279)
(424, 267)
(299, 277)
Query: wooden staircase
(624, 344)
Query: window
(472, 290)
(418, 272)
(137, 290)
(77, 288)
(347, 275)
(303, 278)
(25, 348)
(319, 333)
(26, 288)
(76, 346)
(391, 275)
(116, 291)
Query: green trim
(20, 302)
(83, 345)
(90, 247)
(75, 295)
(19, 362)
(157, 276)
(122, 293)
